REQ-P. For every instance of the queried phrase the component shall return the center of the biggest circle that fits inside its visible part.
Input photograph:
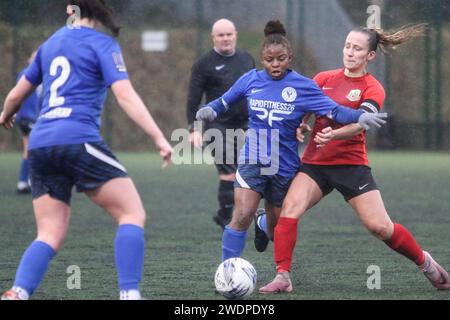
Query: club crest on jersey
(118, 61)
(289, 94)
(354, 95)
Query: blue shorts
(25, 125)
(271, 187)
(55, 170)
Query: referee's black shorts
(350, 180)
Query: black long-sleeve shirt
(213, 74)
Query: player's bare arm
(14, 100)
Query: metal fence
(415, 77)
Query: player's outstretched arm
(136, 110)
(345, 115)
(14, 100)
(368, 120)
(350, 130)
(206, 114)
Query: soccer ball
(235, 278)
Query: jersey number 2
(63, 63)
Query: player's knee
(379, 230)
(136, 217)
(140, 218)
(241, 219)
(292, 208)
(54, 241)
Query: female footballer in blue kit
(25, 119)
(278, 98)
(76, 66)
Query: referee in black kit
(213, 74)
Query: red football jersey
(362, 92)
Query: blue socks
(24, 170)
(262, 222)
(129, 255)
(33, 266)
(233, 243)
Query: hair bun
(274, 27)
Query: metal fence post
(386, 135)
(289, 15)
(15, 24)
(199, 6)
(301, 33)
(438, 17)
(426, 89)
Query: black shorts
(55, 170)
(227, 159)
(350, 180)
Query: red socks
(285, 237)
(403, 242)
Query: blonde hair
(390, 40)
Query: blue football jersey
(75, 66)
(30, 107)
(276, 108)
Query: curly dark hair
(275, 33)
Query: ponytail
(390, 40)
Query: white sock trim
(22, 293)
(132, 294)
